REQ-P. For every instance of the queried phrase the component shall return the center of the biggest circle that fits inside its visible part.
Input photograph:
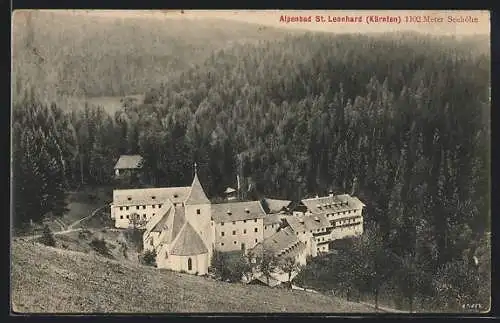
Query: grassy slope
(46, 279)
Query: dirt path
(87, 217)
(69, 229)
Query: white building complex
(184, 228)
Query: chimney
(330, 193)
(247, 210)
(228, 212)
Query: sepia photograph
(250, 161)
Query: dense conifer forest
(400, 120)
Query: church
(184, 228)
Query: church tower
(198, 212)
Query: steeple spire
(196, 193)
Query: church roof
(189, 243)
(162, 224)
(196, 193)
(129, 162)
(237, 211)
(147, 196)
(178, 223)
(169, 226)
(158, 221)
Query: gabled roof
(162, 224)
(278, 242)
(178, 223)
(331, 204)
(189, 243)
(272, 219)
(229, 190)
(307, 222)
(159, 220)
(168, 225)
(275, 205)
(196, 193)
(148, 196)
(273, 282)
(237, 211)
(129, 162)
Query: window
(144, 215)
(190, 264)
(255, 240)
(255, 220)
(222, 243)
(137, 207)
(159, 206)
(198, 211)
(128, 217)
(166, 255)
(244, 230)
(235, 242)
(265, 227)
(121, 216)
(234, 222)
(242, 246)
(256, 230)
(151, 241)
(244, 221)
(222, 223)
(176, 196)
(234, 232)
(153, 197)
(153, 206)
(121, 208)
(129, 198)
(222, 233)
(126, 208)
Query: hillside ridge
(62, 281)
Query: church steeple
(196, 194)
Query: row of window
(234, 222)
(271, 225)
(244, 232)
(347, 222)
(128, 216)
(340, 213)
(324, 248)
(320, 239)
(138, 207)
(236, 242)
(348, 226)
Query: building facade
(184, 228)
(344, 212)
(238, 225)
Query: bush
(100, 246)
(47, 237)
(134, 237)
(149, 258)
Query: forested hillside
(79, 55)
(400, 120)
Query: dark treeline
(402, 122)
